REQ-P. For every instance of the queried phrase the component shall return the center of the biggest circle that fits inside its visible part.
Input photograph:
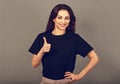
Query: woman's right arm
(36, 60)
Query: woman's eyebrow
(61, 16)
(58, 15)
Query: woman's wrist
(80, 76)
(41, 52)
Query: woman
(58, 46)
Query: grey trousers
(45, 80)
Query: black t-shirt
(62, 55)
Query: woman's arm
(36, 60)
(93, 60)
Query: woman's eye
(67, 18)
(59, 17)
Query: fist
(46, 46)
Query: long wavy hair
(71, 27)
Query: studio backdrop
(98, 22)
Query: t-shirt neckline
(58, 35)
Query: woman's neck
(58, 32)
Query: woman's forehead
(63, 13)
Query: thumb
(45, 41)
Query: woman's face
(62, 20)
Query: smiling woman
(58, 46)
(61, 22)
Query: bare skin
(61, 22)
(36, 60)
(93, 60)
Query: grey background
(98, 22)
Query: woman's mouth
(63, 25)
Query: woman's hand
(46, 46)
(93, 61)
(72, 76)
(36, 60)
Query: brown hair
(53, 15)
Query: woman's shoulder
(43, 34)
(74, 34)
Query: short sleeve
(37, 44)
(83, 48)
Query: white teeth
(62, 25)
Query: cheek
(68, 22)
(56, 21)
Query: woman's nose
(63, 20)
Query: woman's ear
(53, 20)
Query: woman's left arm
(93, 60)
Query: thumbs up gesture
(46, 46)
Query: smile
(63, 25)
